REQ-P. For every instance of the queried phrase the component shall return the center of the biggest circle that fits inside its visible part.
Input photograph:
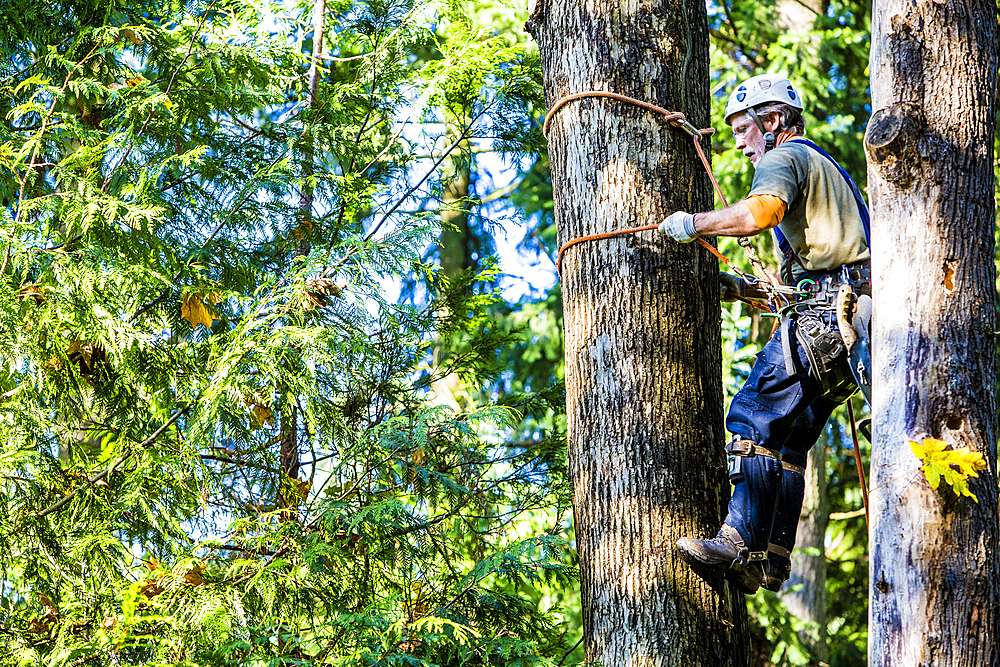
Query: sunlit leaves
(954, 467)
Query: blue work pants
(784, 413)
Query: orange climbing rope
(677, 119)
(632, 230)
(857, 460)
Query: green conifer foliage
(829, 65)
(159, 320)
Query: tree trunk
(934, 563)
(457, 239)
(643, 348)
(289, 456)
(808, 601)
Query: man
(820, 224)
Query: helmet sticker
(764, 84)
(740, 97)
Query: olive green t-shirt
(821, 222)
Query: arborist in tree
(820, 224)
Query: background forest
(281, 334)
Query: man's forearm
(734, 220)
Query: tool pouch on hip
(827, 356)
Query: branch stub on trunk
(891, 143)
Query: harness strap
(745, 556)
(785, 247)
(788, 253)
(778, 550)
(786, 346)
(744, 447)
(791, 467)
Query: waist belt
(750, 448)
(857, 273)
(793, 468)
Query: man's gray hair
(789, 117)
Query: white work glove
(679, 226)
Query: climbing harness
(811, 318)
(766, 283)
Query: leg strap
(778, 551)
(746, 556)
(793, 468)
(744, 447)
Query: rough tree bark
(643, 362)
(934, 563)
(457, 239)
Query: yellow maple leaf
(195, 311)
(953, 466)
(967, 461)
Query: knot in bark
(537, 10)
(891, 143)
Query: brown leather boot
(726, 551)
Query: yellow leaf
(968, 462)
(933, 474)
(302, 230)
(131, 36)
(192, 576)
(262, 415)
(953, 466)
(934, 445)
(195, 312)
(418, 455)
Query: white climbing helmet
(759, 90)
